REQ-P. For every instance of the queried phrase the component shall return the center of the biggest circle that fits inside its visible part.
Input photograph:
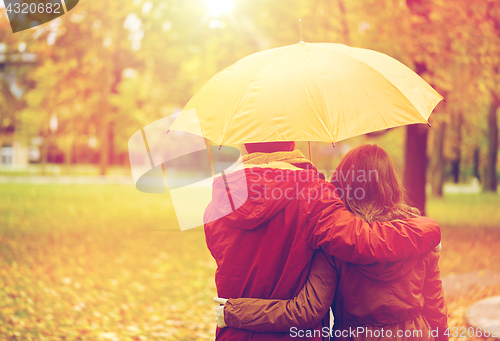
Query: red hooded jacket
(264, 248)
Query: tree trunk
(343, 22)
(68, 153)
(108, 114)
(416, 164)
(111, 148)
(490, 178)
(455, 164)
(69, 143)
(415, 168)
(437, 160)
(476, 164)
(104, 123)
(44, 157)
(455, 170)
(104, 160)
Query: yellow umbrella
(307, 92)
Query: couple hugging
(284, 260)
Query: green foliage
(468, 211)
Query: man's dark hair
(270, 147)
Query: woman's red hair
(369, 186)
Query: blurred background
(84, 255)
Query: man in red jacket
(264, 248)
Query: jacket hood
(388, 271)
(254, 194)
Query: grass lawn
(89, 262)
(470, 225)
(100, 262)
(471, 211)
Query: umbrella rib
(321, 92)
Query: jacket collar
(294, 158)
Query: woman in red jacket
(382, 301)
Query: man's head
(270, 147)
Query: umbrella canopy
(307, 92)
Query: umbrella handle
(310, 154)
(210, 157)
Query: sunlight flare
(218, 7)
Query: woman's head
(369, 186)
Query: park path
(459, 285)
(481, 315)
(471, 188)
(69, 179)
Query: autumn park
(86, 254)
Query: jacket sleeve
(434, 310)
(305, 311)
(331, 227)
